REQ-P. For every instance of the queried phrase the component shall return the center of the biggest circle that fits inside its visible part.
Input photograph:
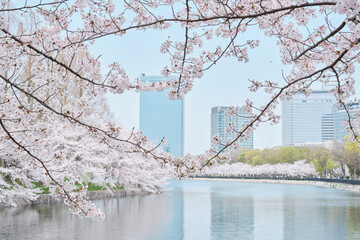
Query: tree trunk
(355, 175)
(343, 169)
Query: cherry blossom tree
(338, 155)
(45, 59)
(59, 134)
(71, 157)
(298, 169)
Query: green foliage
(90, 186)
(331, 166)
(8, 180)
(269, 156)
(320, 157)
(352, 155)
(95, 187)
(257, 160)
(242, 155)
(2, 163)
(272, 155)
(98, 187)
(44, 190)
(287, 155)
(251, 154)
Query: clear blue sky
(225, 84)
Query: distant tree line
(342, 158)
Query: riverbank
(91, 195)
(341, 186)
(119, 193)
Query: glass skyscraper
(161, 117)
(220, 121)
(340, 116)
(308, 119)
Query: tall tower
(308, 119)
(161, 117)
(220, 121)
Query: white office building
(308, 119)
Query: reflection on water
(200, 210)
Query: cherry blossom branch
(339, 91)
(330, 35)
(185, 46)
(55, 60)
(202, 18)
(232, 39)
(32, 6)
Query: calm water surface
(200, 210)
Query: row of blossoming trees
(299, 169)
(342, 160)
(47, 138)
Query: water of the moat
(200, 210)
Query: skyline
(257, 143)
(211, 90)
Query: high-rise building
(308, 119)
(340, 115)
(161, 117)
(220, 121)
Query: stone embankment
(47, 198)
(342, 186)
